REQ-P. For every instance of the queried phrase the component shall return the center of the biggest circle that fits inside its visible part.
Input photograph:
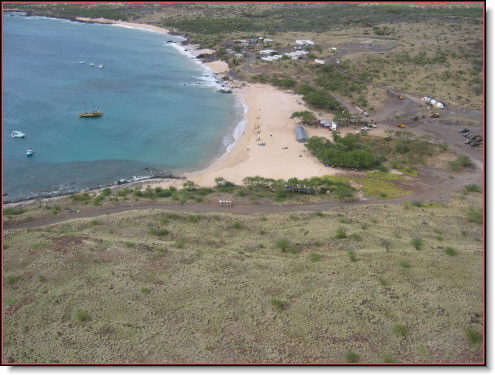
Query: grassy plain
(156, 286)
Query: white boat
(82, 62)
(91, 64)
(18, 134)
(101, 66)
(29, 152)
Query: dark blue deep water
(161, 109)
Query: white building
(296, 54)
(318, 61)
(272, 58)
(305, 42)
(266, 51)
(267, 40)
(333, 48)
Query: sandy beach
(268, 123)
(156, 29)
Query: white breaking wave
(239, 129)
(208, 77)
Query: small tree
(306, 117)
(417, 242)
(283, 244)
(188, 185)
(220, 181)
(340, 233)
(387, 244)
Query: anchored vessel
(90, 114)
(29, 152)
(18, 134)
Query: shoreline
(131, 25)
(264, 139)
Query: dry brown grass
(203, 293)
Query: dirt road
(433, 186)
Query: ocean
(162, 111)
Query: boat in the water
(225, 91)
(91, 64)
(29, 152)
(82, 62)
(18, 134)
(91, 113)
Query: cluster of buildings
(434, 103)
(305, 43)
(271, 55)
(256, 40)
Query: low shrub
(475, 216)
(106, 192)
(340, 233)
(356, 237)
(82, 197)
(283, 244)
(473, 336)
(450, 251)
(82, 316)
(237, 225)
(279, 304)
(159, 232)
(352, 357)
(11, 280)
(315, 257)
(417, 243)
(473, 188)
(399, 330)
(13, 211)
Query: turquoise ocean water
(161, 108)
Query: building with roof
(301, 135)
(266, 51)
(305, 42)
